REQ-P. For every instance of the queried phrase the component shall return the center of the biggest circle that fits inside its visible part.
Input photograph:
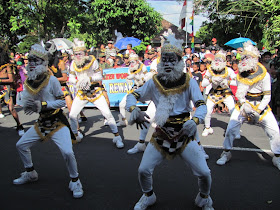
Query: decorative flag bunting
(182, 19)
(192, 35)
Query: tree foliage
(130, 17)
(255, 19)
(94, 21)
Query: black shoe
(84, 118)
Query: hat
(79, 45)
(214, 39)
(39, 51)
(126, 56)
(102, 55)
(120, 55)
(64, 55)
(151, 51)
(17, 57)
(110, 42)
(113, 54)
(213, 48)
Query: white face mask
(79, 58)
(247, 63)
(218, 64)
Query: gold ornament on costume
(79, 45)
(43, 83)
(174, 90)
(86, 67)
(258, 75)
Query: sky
(170, 11)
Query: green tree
(130, 17)
(256, 19)
(224, 25)
(92, 21)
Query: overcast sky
(170, 11)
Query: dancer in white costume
(90, 89)
(253, 93)
(138, 73)
(43, 95)
(171, 90)
(220, 77)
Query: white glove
(189, 129)
(253, 116)
(138, 117)
(216, 80)
(130, 76)
(224, 84)
(84, 84)
(32, 106)
(245, 109)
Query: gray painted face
(169, 61)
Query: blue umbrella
(122, 43)
(238, 42)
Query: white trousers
(192, 156)
(61, 138)
(100, 104)
(268, 123)
(228, 101)
(151, 112)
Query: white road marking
(240, 149)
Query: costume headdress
(79, 45)
(134, 57)
(171, 44)
(39, 51)
(250, 49)
(221, 54)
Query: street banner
(116, 85)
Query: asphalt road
(109, 175)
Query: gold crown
(79, 45)
(39, 51)
(246, 52)
(220, 55)
(171, 48)
(250, 49)
(134, 57)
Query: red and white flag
(182, 19)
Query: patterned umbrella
(62, 43)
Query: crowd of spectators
(196, 63)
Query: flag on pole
(182, 19)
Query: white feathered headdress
(79, 45)
(171, 44)
(250, 49)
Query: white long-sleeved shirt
(149, 91)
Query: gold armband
(196, 120)
(131, 108)
(44, 104)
